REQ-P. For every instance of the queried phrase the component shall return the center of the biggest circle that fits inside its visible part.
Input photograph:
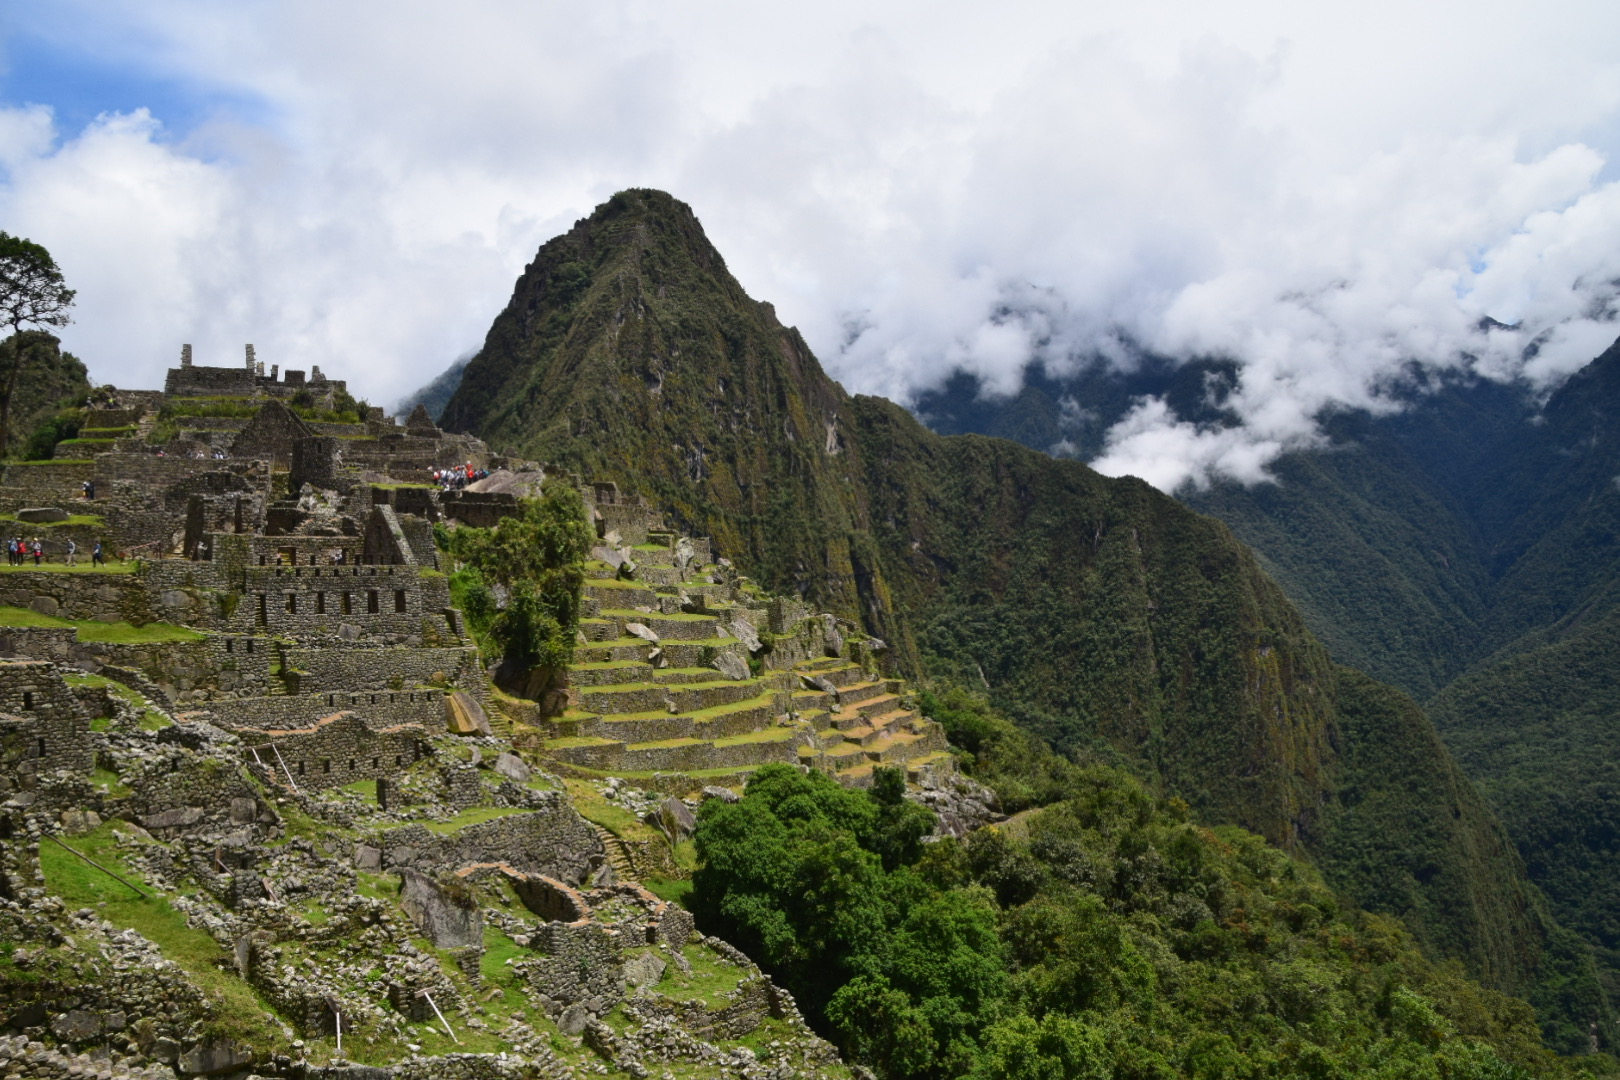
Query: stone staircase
(663, 689)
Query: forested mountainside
(1100, 613)
(1466, 550)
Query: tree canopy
(33, 294)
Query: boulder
(731, 666)
(77, 1025)
(643, 969)
(833, 640)
(439, 915)
(464, 716)
(367, 857)
(638, 630)
(724, 794)
(42, 515)
(744, 631)
(513, 768)
(178, 818)
(819, 682)
(676, 819)
(213, 1057)
(573, 1019)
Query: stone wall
(103, 597)
(579, 963)
(204, 381)
(350, 602)
(424, 708)
(46, 483)
(553, 840)
(43, 726)
(388, 668)
(336, 750)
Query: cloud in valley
(1323, 197)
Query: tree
(32, 294)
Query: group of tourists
(19, 551)
(457, 477)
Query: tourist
(11, 551)
(72, 552)
(84, 490)
(96, 556)
(39, 551)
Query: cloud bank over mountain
(1327, 199)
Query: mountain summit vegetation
(1101, 615)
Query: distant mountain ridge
(1100, 613)
(1466, 549)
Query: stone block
(41, 515)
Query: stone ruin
(309, 765)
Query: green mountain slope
(1099, 612)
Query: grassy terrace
(83, 567)
(151, 719)
(476, 816)
(110, 633)
(10, 523)
(238, 1011)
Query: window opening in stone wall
(399, 759)
(373, 763)
(320, 603)
(28, 699)
(230, 646)
(300, 767)
(374, 699)
(331, 700)
(292, 603)
(250, 645)
(351, 764)
(326, 766)
(348, 604)
(399, 601)
(371, 601)
(42, 746)
(264, 617)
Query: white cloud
(1322, 195)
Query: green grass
(52, 461)
(84, 567)
(477, 815)
(109, 782)
(125, 634)
(115, 633)
(611, 816)
(711, 977)
(11, 521)
(675, 890)
(239, 1012)
(151, 719)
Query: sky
(1331, 198)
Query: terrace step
(609, 672)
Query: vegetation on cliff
(1108, 934)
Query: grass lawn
(115, 633)
(477, 815)
(84, 567)
(239, 1012)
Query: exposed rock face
(448, 921)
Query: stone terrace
(689, 675)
